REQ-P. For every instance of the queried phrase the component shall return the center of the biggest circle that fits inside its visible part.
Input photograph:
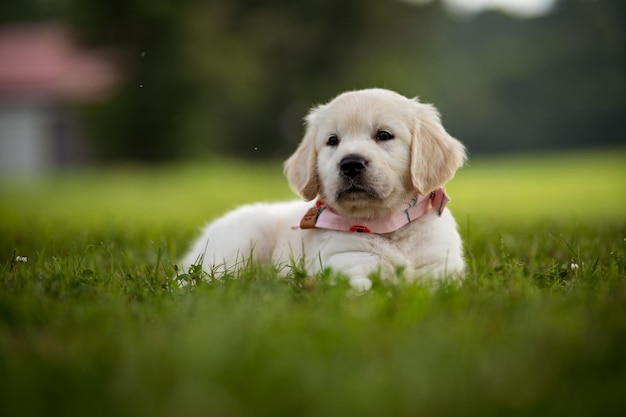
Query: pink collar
(322, 217)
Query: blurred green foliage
(238, 76)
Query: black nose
(352, 165)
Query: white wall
(25, 139)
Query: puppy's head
(367, 152)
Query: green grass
(92, 325)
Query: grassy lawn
(91, 324)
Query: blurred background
(96, 82)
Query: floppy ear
(435, 155)
(300, 169)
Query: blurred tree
(143, 120)
(27, 10)
(558, 80)
(238, 76)
(226, 76)
(262, 64)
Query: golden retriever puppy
(371, 170)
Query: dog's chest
(399, 247)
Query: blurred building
(42, 71)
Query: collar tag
(310, 218)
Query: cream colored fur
(419, 158)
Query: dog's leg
(358, 267)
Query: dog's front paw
(361, 284)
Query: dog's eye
(383, 135)
(333, 140)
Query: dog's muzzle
(355, 182)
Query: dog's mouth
(353, 191)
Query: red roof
(44, 60)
